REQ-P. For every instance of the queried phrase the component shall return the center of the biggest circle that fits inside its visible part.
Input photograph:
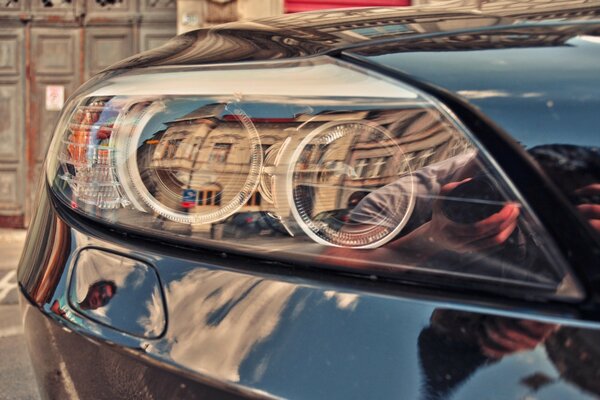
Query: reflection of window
(321, 153)
(219, 153)
(191, 151)
(370, 167)
(254, 200)
(171, 149)
(264, 148)
(424, 158)
(305, 156)
(376, 166)
(361, 167)
(209, 197)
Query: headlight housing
(316, 162)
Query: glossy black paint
(71, 365)
(536, 85)
(578, 242)
(263, 330)
(330, 31)
(291, 36)
(239, 327)
(539, 84)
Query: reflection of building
(345, 27)
(511, 37)
(210, 151)
(404, 141)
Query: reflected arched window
(255, 199)
(211, 195)
(219, 153)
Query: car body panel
(251, 329)
(329, 31)
(293, 36)
(540, 85)
(244, 327)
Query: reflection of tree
(456, 344)
(576, 354)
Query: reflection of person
(430, 229)
(591, 210)
(98, 295)
(444, 233)
(575, 353)
(432, 237)
(457, 343)
(355, 198)
(576, 171)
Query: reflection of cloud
(528, 95)
(136, 279)
(217, 317)
(344, 301)
(483, 94)
(591, 39)
(486, 94)
(154, 323)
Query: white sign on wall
(55, 97)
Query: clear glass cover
(319, 163)
(333, 169)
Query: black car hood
(292, 36)
(313, 33)
(540, 83)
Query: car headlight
(315, 162)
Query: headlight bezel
(287, 171)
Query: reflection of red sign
(308, 5)
(55, 97)
(189, 197)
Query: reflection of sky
(353, 350)
(216, 318)
(176, 109)
(565, 80)
(306, 342)
(510, 372)
(293, 340)
(311, 341)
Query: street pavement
(17, 381)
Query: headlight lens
(323, 174)
(316, 162)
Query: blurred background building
(47, 49)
